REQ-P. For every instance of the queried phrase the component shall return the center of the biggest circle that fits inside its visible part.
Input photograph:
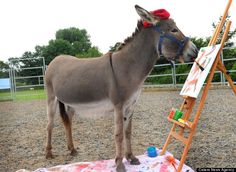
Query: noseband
(164, 35)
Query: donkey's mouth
(179, 59)
(171, 58)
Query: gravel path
(22, 131)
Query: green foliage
(182, 69)
(92, 52)
(55, 48)
(161, 79)
(79, 39)
(115, 47)
(73, 34)
(229, 53)
(200, 42)
(233, 75)
(29, 59)
(14, 63)
(4, 69)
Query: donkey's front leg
(128, 131)
(119, 138)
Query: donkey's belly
(93, 109)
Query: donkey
(113, 81)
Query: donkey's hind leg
(127, 132)
(51, 110)
(67, 121)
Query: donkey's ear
(145, 15)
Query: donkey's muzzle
(191, 52)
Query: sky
(27, 23)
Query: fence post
(11, 80)
(44, 70)
(222, 76)
(173, 74)
(14, 83)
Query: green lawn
(24, 95)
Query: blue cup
(151, 151)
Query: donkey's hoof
(73, 152)
(135, 161)
(49, 155)
(120, 168)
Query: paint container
(151, 151)
(183, 121)
(172, 113)
(178, 114)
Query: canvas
(197, 75)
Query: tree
(115, 47)
(71, 41)
(79, 39)
(14, 63)
(92, 52)
(55, 48)
(30, 60)
(200, 42)
(4, 67)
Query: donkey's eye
(174, 30)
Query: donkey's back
(73, 80)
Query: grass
(24, 95)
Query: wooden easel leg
(186, 149)
(222, 68)
(167, 140)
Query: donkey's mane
(120, 45)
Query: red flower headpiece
(161, 13)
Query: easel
(189, 102)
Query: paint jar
(151, 151)
(172, 113)
(181, 121)
(178, 114)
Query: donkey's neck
(138, 56)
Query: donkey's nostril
(193, 58)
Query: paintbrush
(202, 68)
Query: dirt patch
(23, 134)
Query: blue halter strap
(163, 35)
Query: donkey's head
(170, 41)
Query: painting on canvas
(199, 71)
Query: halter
(164, 35)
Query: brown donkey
(113, 81)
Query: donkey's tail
(63, 113)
